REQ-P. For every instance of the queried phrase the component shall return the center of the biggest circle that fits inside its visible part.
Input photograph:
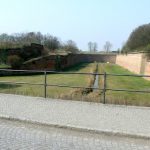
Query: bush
(15, 61)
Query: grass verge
(52, 92)
(124, 82)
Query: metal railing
(104, 88)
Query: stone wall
(131, 62)
(51, 62)
(73, 59)
(147, 68)
(136, 63)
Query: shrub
(15, 61)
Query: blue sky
(80, 20)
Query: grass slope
(119, 82)
(53, 92)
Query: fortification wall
(136, 63)
(147, 68)
(131, 62)
(89, 58)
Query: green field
(53, 92)
(119, 82)
(115, 82)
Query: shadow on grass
(76, 67)
(8, 86)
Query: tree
(95, 47)
(139, 38)
(21, 39)
(3, 56)
(92, 46)
(125, 49)
(51, 42)
(107, 46)
(70, 46)
(15, 61)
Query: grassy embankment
(53, 92)
(119, 82)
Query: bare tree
(107, 46)
(70, 46)
(90, 45)
(95, 47)
(51, 42)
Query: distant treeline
(21, 39)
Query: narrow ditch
(95, 83)
(96, 79)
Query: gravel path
(134, 121)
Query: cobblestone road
(22, 136)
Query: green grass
(116, 82)
(124, 82)
(53, 92)
(2, 66)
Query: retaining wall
(137, 63)
(73, 59)
(147, 68)
(131, 62)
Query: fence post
(104, 89)
(45, 84)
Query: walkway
(16, 135)
(134, 121)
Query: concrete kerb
(75, 128)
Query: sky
(79, 20)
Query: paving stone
(84, 115)
(17, 135)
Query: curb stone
(75, 128)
